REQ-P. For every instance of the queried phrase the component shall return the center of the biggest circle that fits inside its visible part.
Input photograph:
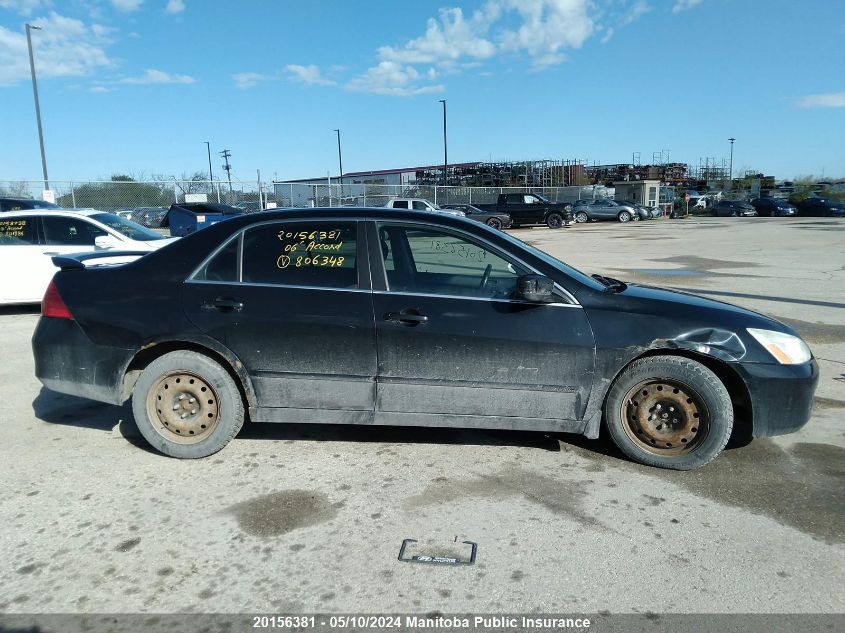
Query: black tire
(217, 403)
(581, 217)
(654, 386)
(624, 216)
(554, 220)
(495, 223)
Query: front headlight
(787, 349)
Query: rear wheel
(581, 217)
(495, 223)
(186, 405)
(554, 220)
(669, 412)
(624, 216)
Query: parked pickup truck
(529, 208)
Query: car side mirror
(535, 288)
(106, 242)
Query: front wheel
(624, 216)
(669, 412)
(554, 220)
(581, 217)
(186, 405)
(495, 223)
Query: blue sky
(137, 86)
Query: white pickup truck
(420, 204)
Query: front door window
(433, 261)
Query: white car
(29, 240)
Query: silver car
(604, 209)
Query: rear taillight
(52, 305)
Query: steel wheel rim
(183, 407)
(494, 223)
(580, 217)
(665, 417)
(555, 220)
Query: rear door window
(63, 231)
(400, 204)
(320, 254)
(18, 231)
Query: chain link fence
(111, 195)
(365, 195)
(117, 195)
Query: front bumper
(781, 395)
(68, 362)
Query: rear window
(18, 231)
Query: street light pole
(210, 173)
(445, 152)
(29, 28)
(731, 173)
(339, 157)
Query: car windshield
(128, 228)
(554, 262)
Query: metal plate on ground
(454, 553)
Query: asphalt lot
(297, 518)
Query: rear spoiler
(76, 261)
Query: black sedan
(821, 207)
(490, 218)
(773, 207)
(377, 316)
(733, 208)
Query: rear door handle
(408, 317)
(223, 305)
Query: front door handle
(223, 305)
(409, 316)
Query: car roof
(54, 212)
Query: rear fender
(198, 343)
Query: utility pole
(210, 173)
(29, 28)
(226, 154)
(445, 152)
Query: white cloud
(309, 75)
(64, 47)
(540, 29)
(99, 88)
(683, 5)
(175, 6)
(153, 76)
(832, 100)
(127, 6)
(24, 7)
(394, 79)
(548, 27)
(448, 40)
(248, 80)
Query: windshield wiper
(612, 284)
